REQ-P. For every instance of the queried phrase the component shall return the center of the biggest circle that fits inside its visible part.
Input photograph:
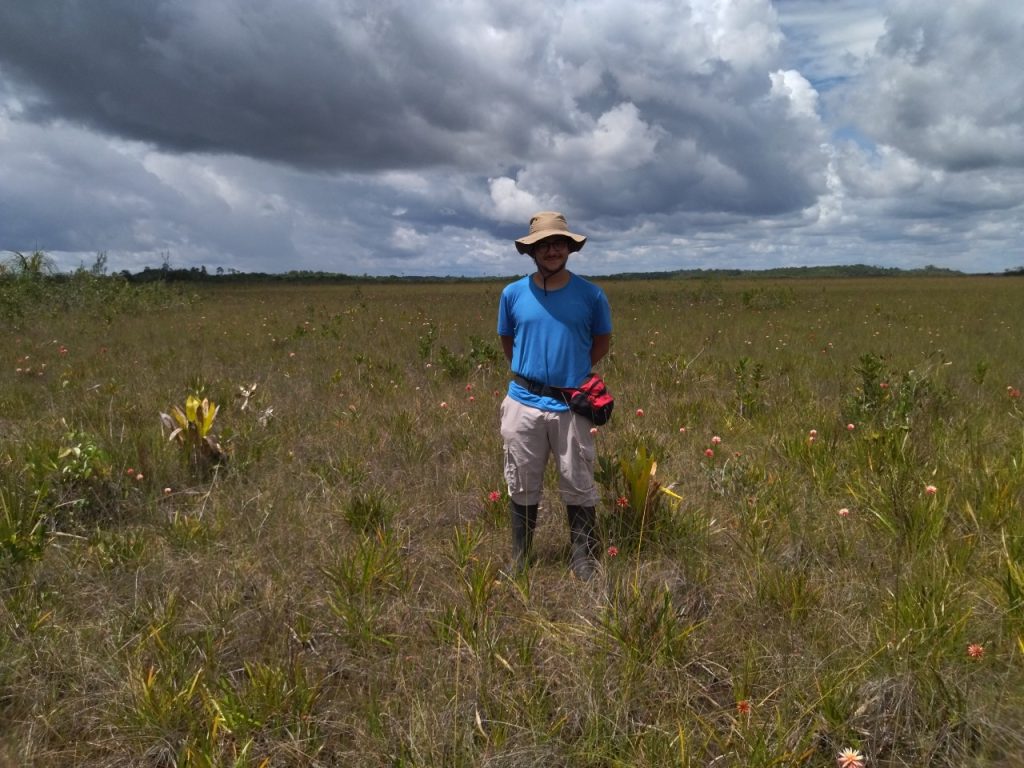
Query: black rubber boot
(524, 521)
(582, 541)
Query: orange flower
(743, 706)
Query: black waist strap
(536, 388)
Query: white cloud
(797, 91)
(512, 203)
(744, 33)
(944, 84)
(408, 239)
(620, 140)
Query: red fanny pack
(592, 400)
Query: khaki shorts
(530, 436)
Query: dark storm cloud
(345, 85)
(364, 87)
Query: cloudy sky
(416, 138)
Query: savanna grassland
(813, 490)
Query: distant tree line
(201, 274)
(37, 265)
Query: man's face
(552, 252)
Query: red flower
(743, 706)
(494, 496)
(622, 501)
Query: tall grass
(331, 592)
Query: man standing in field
(554, 327)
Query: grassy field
(813, 491)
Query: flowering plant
(192, 428)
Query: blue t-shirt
(553, 334)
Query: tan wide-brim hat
(548, 224)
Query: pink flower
(444, 404)
(167, 491)
(469, 387)
(682, 429)
(709, 453)
(975, 650)
(472, 399)
(1013, 392)
(593, 430)
(850, 758)
(139, 476)
(622, 501)
(844, 512)
(129, 471)
(931, 490)
(639, 411)
(716, 440)
(613, 551)
(494, 496)
(812, 434)
(850, 427)
(884, 385)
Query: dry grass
(332, 595)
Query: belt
(537, 388)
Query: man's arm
(506, 346)
(599, 347)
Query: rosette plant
(192, 428)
